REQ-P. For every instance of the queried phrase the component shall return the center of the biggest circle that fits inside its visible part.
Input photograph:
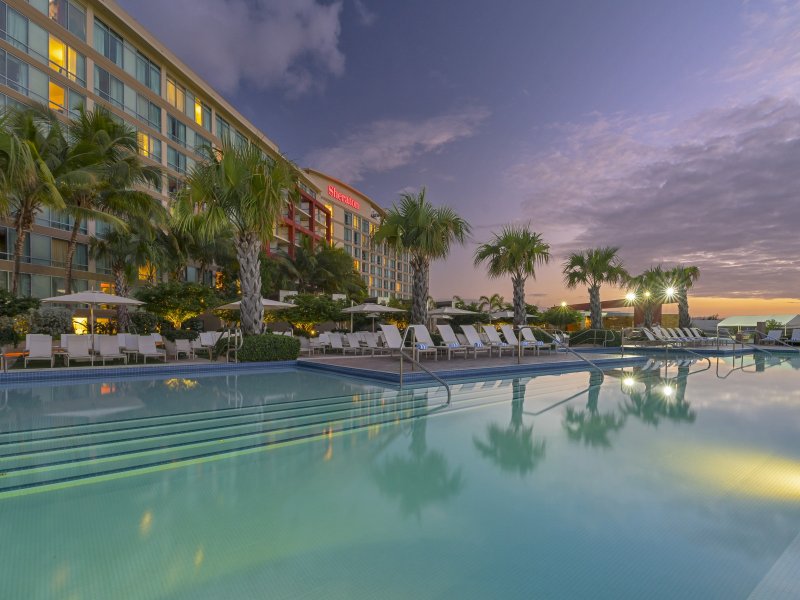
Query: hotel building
(69, 54)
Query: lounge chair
(423, 344)
(511, 339)
(107, 348)
(392, 337)
(795, 339)
(40, 348)
(354, 341)
(336, 344)
(527, 336)
(78, 350)
(773, 337)
(475, 342)
(36, 336)
(373, 346)
(451, 343)
(146, 348)
(495, 341)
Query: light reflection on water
(624, 491)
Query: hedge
(259, 348)
(180, 334)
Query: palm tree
(649, 290)
(515, 251)
(100, 168)
(31, 140)
(682, 278)
(492, 303)
(237, 191)
(426, 233)
(593, 268)
(126, 250)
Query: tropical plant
(238, 192)
(31, 140)
(682, 278)
(97, 174)
(144, 322)
(177, 302)
(268, 347)
(593, 268)
(427, 233)
(515, 251)
(327, 269)
(560, 316)
(11, 306)
(312, 309)
(493, 303)
(51, 320)
(648, 288)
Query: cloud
(291, 44)
(365, 16)
(719, 191)
(391, 143)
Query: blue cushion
(479, 344)
(454, 345)
(421, 346)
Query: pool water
(672, 481)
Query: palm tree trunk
(419, 291)
(518, 283)
(121, 288)
(647, 309)
(248, 249)
(73, 243)
(595, 307)
(684, 320)
(23, 224)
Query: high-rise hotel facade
(68, 54)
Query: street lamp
(669, 292)
(563, 304)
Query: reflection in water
(588, 425)
(423, 477)
(660, 398)
(513, 448)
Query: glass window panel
(58, 12)
(40, 286)
(57, 53)
(39, 84)
(129, 60)
(40, 5)
(59, 250)
(17, 29)
(81, 257)
(37, 42)
(16, 73)
(58, 99)
(40, 249)
(76, 102)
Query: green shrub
(11, 306)
(180, 334)
(266, 347)
(7, 333)
(52, 321)
(144, 322)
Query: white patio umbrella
(506, 314)
(93, 298)
(450, 311)
(267, 304)
(370, 307)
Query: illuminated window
(144, 143)
(57, 97)
(176, 95)
(198, 112)
(58, 54)
(356, 265)
(147, 273)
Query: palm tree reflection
(423, 477)
(588, 425)
(660, 399)
(513, 448)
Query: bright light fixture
(670, 292)
(630, 297)
(667, 390)
(563, 304)
(628, 381)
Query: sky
(668, 128)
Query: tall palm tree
(426, 233)
(649, 288)
(593, 268)
(492, 303)
(515, 251)
(126, 250)
(100, 168)
(31, 140)
(683, 278)
(237, 191)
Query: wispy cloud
(365, 16)
(391, 143)
(292, 44)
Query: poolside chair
(511, 339)
(78, 350)
(336, 344)
(495, 341)
(107, 348)
(527, 336)
(354, 341)
(40, 348)
(423, 344)
(451, 343)
(773, 337)
(392, 337)
(316, 344)
(157, 338)
(795, 339)
(36, 336)
(374, 347)
(146, 348)
(475, 342)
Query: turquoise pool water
(672, 482)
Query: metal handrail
(756, 348)
(558, 342)
(420, 365)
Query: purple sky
(669, 127)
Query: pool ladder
(414, 361)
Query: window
(202, 115)
(66, 60)
(173, 185)
(239, 140)
(148, 73)
(176, 95)
(108, 43)
(14, 72)
(348, 218)
(176, 160)
(16, 27)
(176, 130)
(68, 14)
(76, 102)
(149, 146)
(223, 129)
(108, 87)
(201, 144)
(348, 235)
(356, 238)
(58, 100)
(148, 112)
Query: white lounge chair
(107, 348)
(475, 342)
(495, 341)
(146, 348)
(78, 350)
(773, 336)
(451, 343)
(392, 337)
(336, 344)
(354, 341)
(423, 344)
(795, 339)
(373, 346)
(511, 339)
(40, 348)
(29, 337)
(527, 336)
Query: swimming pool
(673, 481)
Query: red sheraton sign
(343, 198)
